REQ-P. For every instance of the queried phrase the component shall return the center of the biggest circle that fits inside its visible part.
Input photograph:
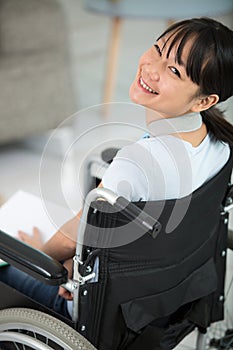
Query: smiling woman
(185, 73)
(160, 73)
(189, 69)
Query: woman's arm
(62, 244)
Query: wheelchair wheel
(27, 329)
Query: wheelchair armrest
(31, 261)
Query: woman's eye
(175, 71)
(158, 49)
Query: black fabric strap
(149, 339)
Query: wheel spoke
(17, 348)
(24, 340)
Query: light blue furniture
(152, 9)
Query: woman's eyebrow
(164, 43)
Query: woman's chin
(134, 95)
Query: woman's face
(161, 84)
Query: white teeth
(146, 87)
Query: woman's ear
(205, 103)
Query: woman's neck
(194, 137)
(193, 132)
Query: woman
(182, 73)
(180, 78)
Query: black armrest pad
(31, 261)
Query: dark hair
(209, 65)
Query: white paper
(23, 211)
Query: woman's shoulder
(135, 149)
(212, 145)
(157, 146)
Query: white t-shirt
(164, 167)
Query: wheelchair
(150, 292)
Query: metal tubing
(95, 194)
(201, 341)
(23, 339)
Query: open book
(24, 210)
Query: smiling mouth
(146, 87)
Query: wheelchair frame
(49, 271)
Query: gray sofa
(35, 74)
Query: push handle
(141, 218)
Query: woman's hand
(65, 293)
(68, 264)
(33, 240)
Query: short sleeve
(126, 174)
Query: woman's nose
(151, 65)
(155, 74)
(152, 71)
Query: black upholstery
(158, 289)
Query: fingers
(33, 240)
(65, 293)
(36, 233)
(23, 236)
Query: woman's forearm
(62, 244)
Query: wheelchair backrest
(157, 288)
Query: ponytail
(217, 126)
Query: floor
(34, 164)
